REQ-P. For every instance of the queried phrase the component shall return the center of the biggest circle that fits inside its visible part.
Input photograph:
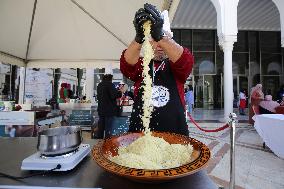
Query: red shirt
(181, 70)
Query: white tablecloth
(271, 129)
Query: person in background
(185, 90)
(53, 103)
(64, 121)
(169, 70)
(189, 99)
(121, 85)
(268, 92)
(256, 96)
(130, 93)
(63, 93)
(5, 90)
(107, 107)
(242, 102)
(70, 94)
(123, 88)
(94, 98)
(280, 94)
(124, 95)
(267, 106)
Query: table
(17, 117)
(68, 107)
(49, 120)
(86, 174)
(271, 129)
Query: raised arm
(131, 71)
(181, 59)
(130, 61)
(132, 53)
(171, 48)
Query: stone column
(90, 79)
(227, 43)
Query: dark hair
(190, 87)
(107, 77)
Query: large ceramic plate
(199, 158)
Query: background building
(257, 58)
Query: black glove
(140, 18)
(157, 22)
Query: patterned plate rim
(176, 172)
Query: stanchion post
(232, 123)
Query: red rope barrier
(207, 130)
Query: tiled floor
(256, 168)
(214, 115)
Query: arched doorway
(261, 45)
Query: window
(176, 36)
(271, 64)
(219, 60)
(271, 85)
(253, 38)
(270, 42)
(204, 63)
(242, 43)
(203, 40)
(186, 38)
(240, 63)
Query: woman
(282, 101)
(268, 106)
(169, 69)
(256, 96)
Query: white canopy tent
(67, 33)
(91, 33)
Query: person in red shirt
(169, 70)
(242, 102)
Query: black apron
(167, 118)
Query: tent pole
(28, 48)
(25, 85)
(13, 56)
(30, 33)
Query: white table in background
(17, 117)
(271, 129)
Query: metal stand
(232, 123)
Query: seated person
(267, 106)
(282, 101)
(53, 103)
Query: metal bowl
(59, 140)
(199, 158)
